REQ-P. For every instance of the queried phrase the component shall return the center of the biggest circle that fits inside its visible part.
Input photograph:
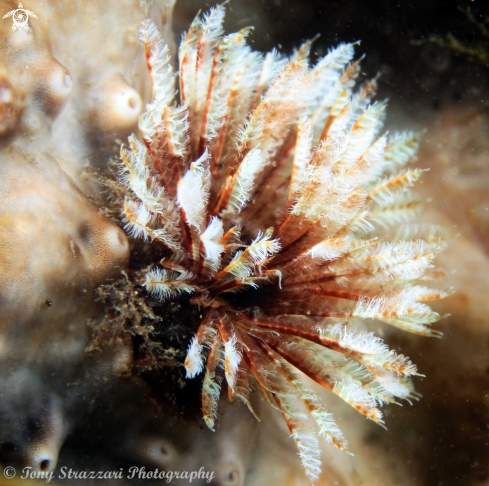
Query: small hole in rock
(231, 478)
(164, 451)
(45, 465)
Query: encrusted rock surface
(63, 102)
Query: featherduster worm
(284, 211)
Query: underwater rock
(64, 94)
(63, 102)
(457, 148)
(55, 249)
(187, 447)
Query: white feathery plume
(329, 250)
(407, 315)
(325, 77)
(389, 187)
(403, 208)
(177, 134)
(362, 134)
(333, 64)
(164, 284)
(309, 452)
(193, 192)
(242, 95)
(391, 384)
(138, 219)
(400, 260)
(325, 421)
(245, 179)
(211, 388)
(198, 347)
(209, 37)
(187, 55)
(273, 64)
(373, 162)
(194, 362)
(226, 65)
(301, 174)
(135, 175)
(363, 97)
(356, 395)
(401, 150)
(140, 223)
(243, 263)
(419, 293)
(158, 58)
(211, 239)
(372, 349)
(232, 360)
(262, 247)
(251, 129)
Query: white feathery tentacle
(211, 239)
(164, 284)
(193, 192)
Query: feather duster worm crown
(270, 179)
